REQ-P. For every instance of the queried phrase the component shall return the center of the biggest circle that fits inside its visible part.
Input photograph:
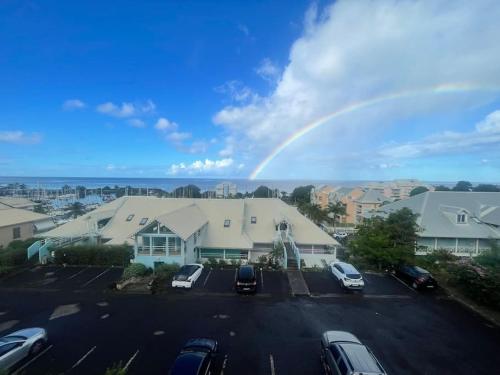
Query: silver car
(21, 344)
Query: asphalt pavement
(91, 327)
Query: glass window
(143, 221)
(461, 218)
(227, 223)
(8, 347)
(130, 217)
(335, 352)
(342, 366)
(16, 232)
(253, 219)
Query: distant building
(397, 189)
(464, 223)
(320, 195)
(19, 224)
(225, 190)
(18, 202)
(348, 197)
(370, 200)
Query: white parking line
(20, 369)
(224, 363)
(271, 361)
(95, 278)
(130, 360)
(76, 274)
(83, 358)
(206, 278)
(262, 278)
(402, 282)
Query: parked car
(343, 354)
(21, 344)
(187, 276)
(196, 358)
(417, 277)
(246, 281)
(340, 235)
(347, 275)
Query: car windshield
(8, 339)
(420, 270)
(353, 275)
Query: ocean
(167, 184)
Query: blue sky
(210, 88)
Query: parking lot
(91, 328)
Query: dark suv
(196, 358)
(417, 277)
(343, 354)
(246, 282)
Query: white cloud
(164, 124)
(236, 91)
(485, 134)
(72, 104)
(177, 137)
(110, 167)
(19, 137)
(268, 70)
(201, 167)
(244, 29)
(137, 123)
(358, 50)
(197, 147)
(126, 109)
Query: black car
(246, 281)
(417, 277)
(196, 358)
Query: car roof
(246, 271)
(340, 336)
(188, 363)
(188, 268)
(420, 270)
(360, 358)
(347, 267)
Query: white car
(19, 345)
(187, 276)
(340, 235)
(347, 275)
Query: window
(339, 268)
(342, 366)
(253, 220)
(16, 232)
(8, 347)
(227, 223)
(130, 217)
(335, 352)
(143, 221)
(461, 218)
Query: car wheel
(414, 285)
(36, 347)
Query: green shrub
(94, 255)
(212, 262)
(222, 263)
(135, 270)
(166, 271)
(116, 369)
(11, 257)
(235, 262)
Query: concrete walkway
(297, 283)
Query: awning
(43, 226)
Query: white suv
(347, 275)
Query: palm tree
(76, 209)
(335, 210)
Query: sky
(320, 90)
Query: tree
(441, 188)
(302, 194)
(313, 212)
(418, 190)
(76, 209)
(486, 188)
(40, 209)
(335, 210)
(463, 186)
(386, 242)
(262, 192)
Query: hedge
(166, 271)
(15, 254)
(119, 255)
(135, 270)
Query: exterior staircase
(295, 278)
(291, 259)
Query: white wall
(316, 259)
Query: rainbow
(353, 107)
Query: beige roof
(185, 216)
(15, 202)
(184, 221)
(13, 216)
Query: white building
(225, 190)
(183, 230)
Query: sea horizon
(171, 183)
